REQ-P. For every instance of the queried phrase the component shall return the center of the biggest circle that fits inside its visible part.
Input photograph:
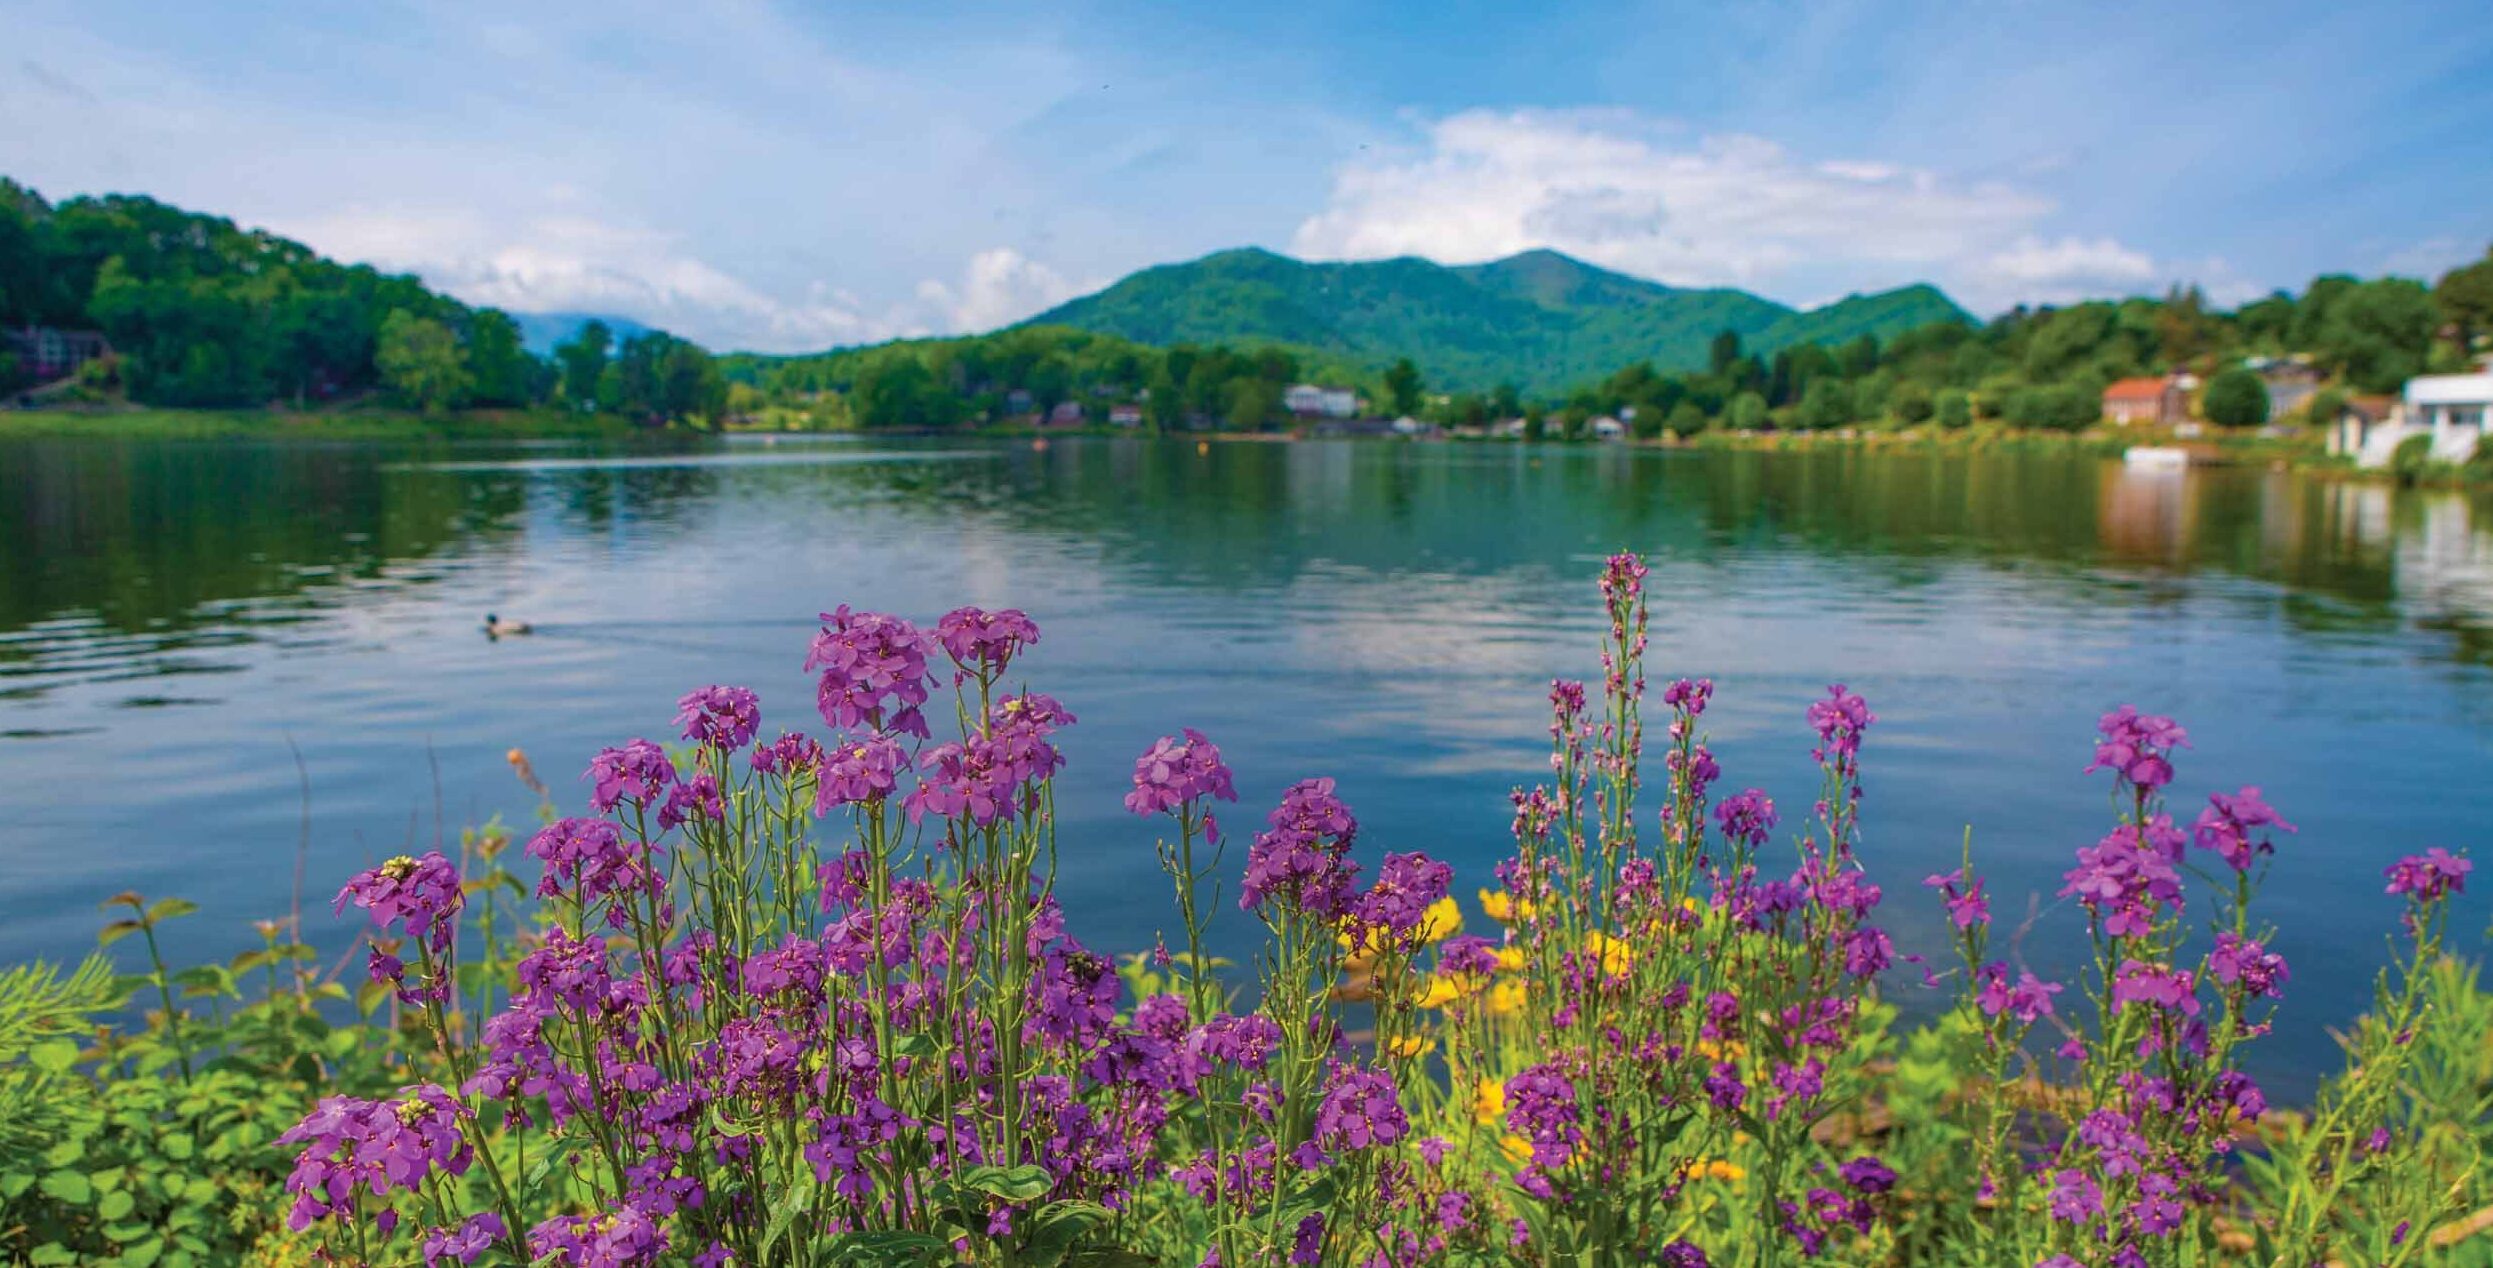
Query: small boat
(2156, 457)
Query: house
(2160, 400)
(1066, 414)
(1604, 427)
(1018, 401)
(45, 353)
(1413, 427)
(2291, 384)
(2451, 408)
(1507, 429)
(2362, 430)
(1125, 415)
(1308, 400)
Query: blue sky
(783, 176)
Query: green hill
(1540, 320)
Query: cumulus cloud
(1622, 191)
(999, 287)
(577, 263)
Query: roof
(2450, 389)
(2135, 389)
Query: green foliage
(2235, 398)
(2464, 296)
(1539, 320)
(420, 362)
(1402, 386)
(1952, 408)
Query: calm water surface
(177, 621)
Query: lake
(178, 621)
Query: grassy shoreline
(325, 425)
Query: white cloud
(1624, 192)
(577, 263)
(1000, 286)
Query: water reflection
(177, 620)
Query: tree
(1686, 420)
(1953, 408)
(2377, 334)
(1827, 403)
(1253, 403)
(583, 359)
(1402, 386)
(504, 373)
(1506, 401)
(1724, 353)
(2465, 297)
(1748, 412)
(1911, 402)
(420, 361)
(2235, 398)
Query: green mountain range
(1542, 321)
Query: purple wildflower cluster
(895, 1036)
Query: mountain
(1543, 321)
(541, 333)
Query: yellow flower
(1488, 1101)
(1517, 1148)
(1443, 989)
(1500, 906)
(1616, 955)
(1413, 1046)
(1510, 959)
(1713, 1051)
(1443, 920)
(1713, 1169)
(1507, 996)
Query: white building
(2452, 409)
(1308, 400)
(1605, 427)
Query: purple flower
(1867, 951)
(1868, 1174)
(2228, 822)
(2244, 962)
(1300, 864)
(2156, 985)
(375, 1147)
(873, 672)
(466, 1242)
(2029, 1000)
(1392, 909)
(2138, 747)
(591, 857)
(1746, 817)
(696, 798)
(1684, 1255)
(621, 1238)
(1839, 721)
(2123, 878)
(2429, 877)
(1961, 893)
(1689, 695)
(1360, 1109)
(635, 772)
(859, 772)
(1541, 1106)
(793, 753)
(983, 642)
(723, 718)
(1174, 772)
(422, 894)
(2075, 1197)
(1468, 955)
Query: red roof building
(2155, 400)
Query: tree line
(202, 312)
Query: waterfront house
(1604, 427)
(1507, 429)
(1066, 414)
(45, 353)
(2451, 408)
(2291, 384)
(2161, 400)
(2358, 421)
(1309, 400)
(1018, 401)
(1413, 427)
(1125, 415)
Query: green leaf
(142, 1254)
(1026, 1183)
(888, 1250)
(1057, 1226)
(70, 1187)
(179, 1146)
(50, 1253)
(115, 931)
(169, 908)
(54, 1056)
(792, 1202)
